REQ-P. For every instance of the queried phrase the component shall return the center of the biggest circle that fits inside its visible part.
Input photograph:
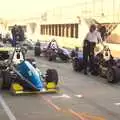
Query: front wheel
(51, 76)
(6, 81)
(75, 64)
(113, 75)
(78, 64)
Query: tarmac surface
(80, 98)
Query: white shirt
(93, 37)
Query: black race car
(53, 51)
(104, 65)
(109, 67)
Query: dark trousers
(88, 55)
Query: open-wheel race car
(53, 51)
(108, 66)
(105, 64)
(20, 75)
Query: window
(63, 27)
(46, 29)
(41, 31)
(72, 30)
(76, 30)
(50, 30)
(64, 30)
(59, 30)
(67, 30)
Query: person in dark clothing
(103, 32)
(0, 37)
(21, 33)
(90, 41)
(17, 34)
(37, 48)
(13, 31)
(38, 43)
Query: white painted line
(7, 109)
(117, 104)
(79, 96)
(62, 96)
(61, 82)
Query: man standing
(37, 48)
(103, 32)
(92, 37)
(13, 31)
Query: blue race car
(20, 75)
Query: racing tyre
(6, 81)
(51, 76)
(51, 54)
(77, 65)
(113, 74)
(49, 58)
(52, 58)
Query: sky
(18, 9)
(24, 8)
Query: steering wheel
(106, 53)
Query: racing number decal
(29, 73)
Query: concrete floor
(81, 97)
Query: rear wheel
(77, 64)
(52, 57)
(51, 76)
(6, 81)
